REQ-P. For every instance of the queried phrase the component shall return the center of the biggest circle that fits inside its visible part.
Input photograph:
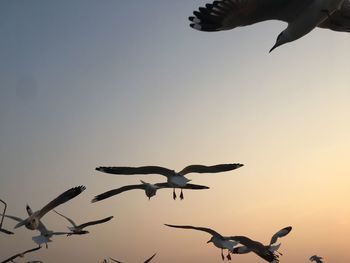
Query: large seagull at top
(174, 179)
(302, 16)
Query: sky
(128, 83)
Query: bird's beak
(273, 48)
(209, 241)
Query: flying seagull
(174, 179)
(45, 234)
(148, 260)
(32, 222)
(10, 259)
(2, 219)
(218, 240)
(301, 16)
(316, 259)
(78, 229)
(265, 252)
(150, 189)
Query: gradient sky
(87, 83)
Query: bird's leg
(222, 254)
(174, 194)
(228, 255)
(181, 195)
(47, 246)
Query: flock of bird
(302, 17)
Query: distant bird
(265, 252)
(218, 240)
(10, 259)
(150, 189)
(316, 259)
(2, 220)
(148, 260)
(174, 179)
(45, 234)
(78, 229)
(32, 222)
(301, 16)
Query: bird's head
(83, 232)
(282, 38)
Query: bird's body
(174, 179)
(217, 239)
(302, 16)
(79, 229)
(33, 221)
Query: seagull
(316, 259)
(148, 260)
(218, 240)
(32, 222)
(10, 259)
(174, 179)
(2, 219)
(265, 252)
(45, 234)
(78, 230)
(302, 16)
(150, 189)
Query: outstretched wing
(283, 232)
(117, 191)
(210, 169)
(67, 218)
(228, 14)
(19, 254)
(61, 199)
(101, 221)
(339, 20)
(13, 217)
(136, 170)
(115, 260)
(6, 231)
(208, 230)
(187, 186)
(148, 260)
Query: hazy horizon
(87, 84)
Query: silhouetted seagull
(174, 179)
(78, 229)
(316, 259)
(148, 260)
(32, 222)
(272, 247)
(301, 16)
(218, 240)
(2, 219)
(45, 234)
(150, 189)
(10, 259)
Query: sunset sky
(88, 83)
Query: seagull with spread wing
(218, 240)
(148, 260)
(316, 258)
(150, 189)
(265, 252)
(10, 259)
(174, 179)
(2, 219)
(45, 234)
(32, 222)
(302, 16)
(78, 229)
